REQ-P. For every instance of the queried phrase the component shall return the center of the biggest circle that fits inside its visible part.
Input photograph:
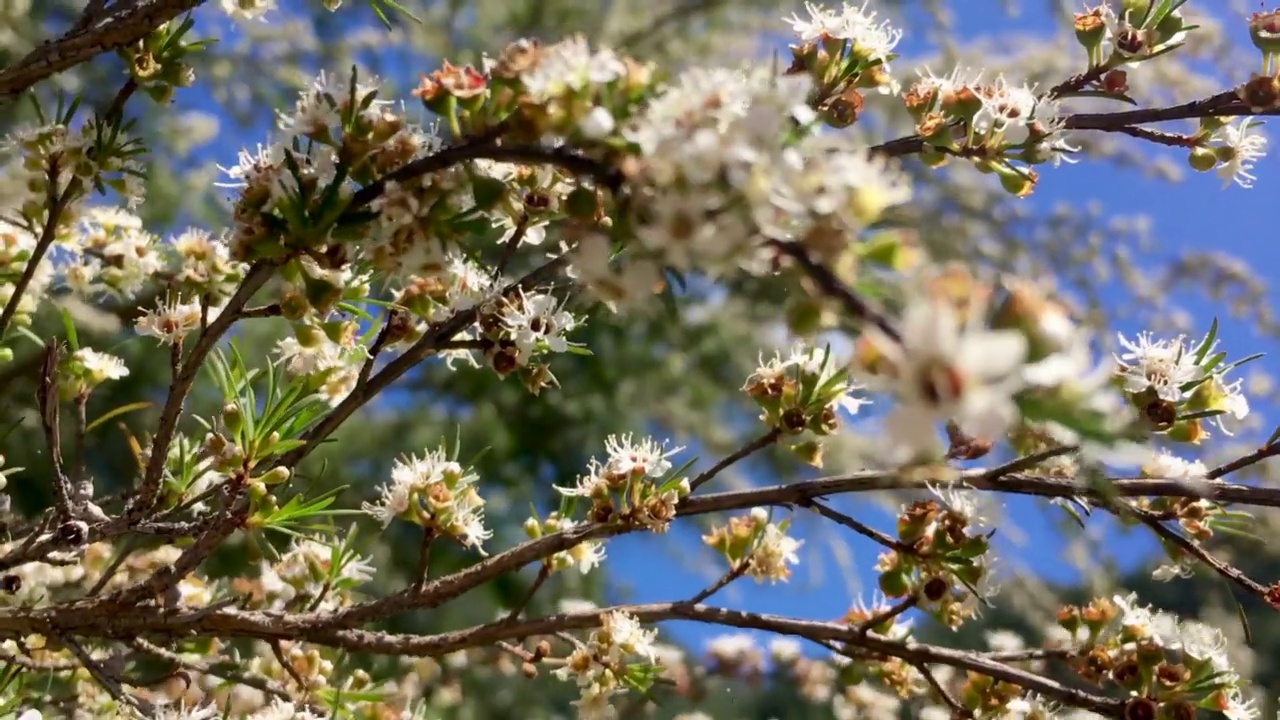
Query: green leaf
(69, 326)
(1207, 343)
(122, 410)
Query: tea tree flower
(171, 321)
(1241, 146)
(946, 367)
(248, 9)
(437, 493)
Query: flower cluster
(313, 574)
(633, 485)
(1165, 665)
(618, 656)
(1176, 387)
(437, 493)
(940, 561)
(756, 547)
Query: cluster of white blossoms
(313, 575)
(755, 546)
(1175, 386)
(603, 665)
(727, 171)
(584, 556)
(632, 485)
(437, 493)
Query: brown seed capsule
(935, 589)
(1141, 708)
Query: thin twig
(544, 572)
(857, 308)
(957, 710)
(887, 614)
(47, 400)
(108, 683)
(750, 448)
(738, 570)
(855, 525)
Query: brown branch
(910, 651)
(1169, 535)
(430, 342)
(255, 682)
(750, 448)
(855, 525)
(893, 611)
(736, 572)
(82, 45)
(857, 308)
(544, 572)
(57, 202)
(47, 401)
(957, 710)
(100, 675)
(1245, 461)
(167, 428)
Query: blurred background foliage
(675, 371)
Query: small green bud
(232, 419)
(894, 584)
(275, 476)
(1202, 159)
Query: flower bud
(894, 584)
(1261, 93)
(533, 528)
(275, 476)
(1264, 31)
(232, 419)
(1187, 431)
(1202, 159)
(1090, 29)
(1017, 182)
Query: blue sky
(1193, 214)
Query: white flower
(99, 366)
(248, 9)
(1166, 466)
(1205, 643)
(1163, 365)
(1168, 572)
(1005, 641)
(284, 710)
(773, 553)
(943, 370)
(433, 491)
(568, 66)
(869, 39)
(626, 636)
(1241, 146)
(597, 123)
(172, 320)
(537, 319)
(1238, 708)
(784, 650)
(1158, 626)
